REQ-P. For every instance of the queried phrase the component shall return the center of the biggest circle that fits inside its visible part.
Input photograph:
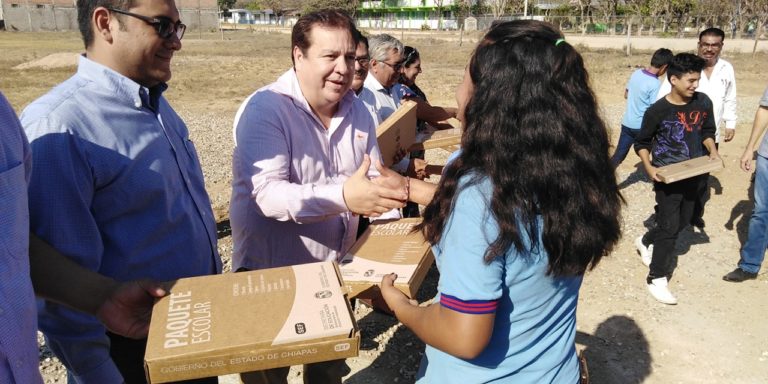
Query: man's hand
(746, 160)
(729, 133)
(364, 197)
(389, 178)
(128, 309)
(392, 296)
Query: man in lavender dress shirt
(303, 148)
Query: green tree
(348, 6)
(280, 7)
(226, 5)
(680, 11)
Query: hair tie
(558, 41)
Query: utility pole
(53, 12)
(29, 17)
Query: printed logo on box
(300, 328)
(342, 347)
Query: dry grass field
(716, 334)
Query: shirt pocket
(360, 143)
(14, 212)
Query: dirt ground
(715, 334)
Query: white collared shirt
(381, 102)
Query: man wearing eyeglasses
(116, 182)
(386, 58)
(362, 61)
(718, 81)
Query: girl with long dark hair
(522, 211)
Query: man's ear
(673, 80)
(101, 22)
(297, 55)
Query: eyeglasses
(712, 46)
(363, 61)
(164, 26)
(395, 66)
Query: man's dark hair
(85, 10)
(714, 32)
(360, 38)
(328, 18)
(661, 57)
(684, 63)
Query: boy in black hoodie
(673, 130)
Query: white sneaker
(646, 253)
(660, 291)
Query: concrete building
(407, 14)
(61, 15)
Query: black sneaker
(698, 222)
(738, 275)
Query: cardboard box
(397, 132)
(384, 248)
(689, 168)
(247, 321)
(445, 139)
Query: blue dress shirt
(18, 333)
(117, 186)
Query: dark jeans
(626, 140)
(128, 355)
(674, 203)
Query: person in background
(718, 82)
(301, 166)
(676, 128)
(640, 93)
(362, 62)
(382, 98)
(511, 254)
(753, 251)
(427, 115)
(386, 59)
(406, 89)
(110, 154)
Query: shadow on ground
(401, 355)
(618, 352)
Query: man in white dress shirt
(386, 59)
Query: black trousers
(674, 203)
(128, 355)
